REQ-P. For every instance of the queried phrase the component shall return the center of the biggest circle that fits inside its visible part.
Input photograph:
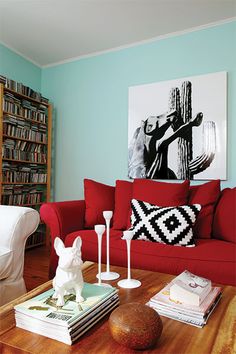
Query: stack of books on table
(187, 298)
(66, 324)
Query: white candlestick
(108, 215)
(99, 229)
(128, 256)
(128, 283)
(108, 275)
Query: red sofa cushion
(206, 195)
(123, 196)
(213, 259)
(161, 193)
(98, 198)
(224, 223)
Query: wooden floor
(36, 267)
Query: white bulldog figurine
(68, 274)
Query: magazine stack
(66, 324)
(187, 298)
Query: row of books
(21, 194)
(34, 112)
(23, 174)
(22, 89)
(18, 128)
(20, 188)
(22, 199)
(25, 146)
(18, 155)
(24, 150)
(196, 315)
(24, 108)
(66, 324)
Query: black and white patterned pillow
(169, 225)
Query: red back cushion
(123, 196)
(224, 223)
(161, 193)
(98, 198)
(206, 195)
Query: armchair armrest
(16, 225)
(62, 218)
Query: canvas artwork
(177, 129)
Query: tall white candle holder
(99, 229)
(108, 275)
(128, 283)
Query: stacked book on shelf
(66, 324)
(22, 89)
(15, 173)
(13, 105)
(3, 80)
(21, 195)
(34, 112)
(187, 298)
(24, 150)
(19, 128)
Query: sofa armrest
(16, 225)
(63, 218)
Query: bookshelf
(25, 141)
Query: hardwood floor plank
(36, 267)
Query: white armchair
(16, 225)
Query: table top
(218, 336)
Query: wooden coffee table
(218, 336)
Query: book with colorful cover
(42, 307)
(163, 298)
(190, 288)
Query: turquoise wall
(90, 97)
(17, 68)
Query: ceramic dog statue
(68, 274)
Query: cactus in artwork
(185, 145)
(181, 101)
(203, 161)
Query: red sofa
(213, 257)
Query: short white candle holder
(108, 275)
(128, 283)
(99, 229)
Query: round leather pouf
(135, 326)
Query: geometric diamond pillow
(169, 225)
